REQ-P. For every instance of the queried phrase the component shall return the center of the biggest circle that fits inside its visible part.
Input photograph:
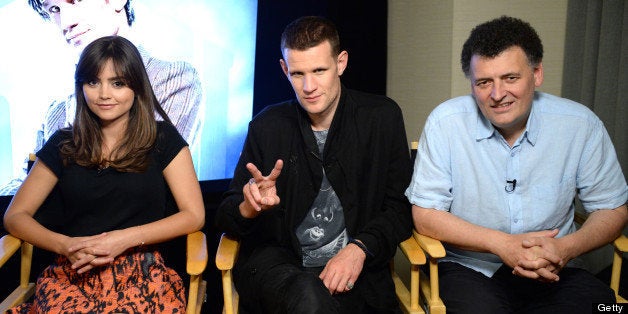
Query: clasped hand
(535, 255)
(86, 253)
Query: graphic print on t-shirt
(322, 232)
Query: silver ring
(251, 181)
(349, 285)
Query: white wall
(425, 38)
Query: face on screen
(81, 22)
(202, 59)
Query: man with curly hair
(496, 176)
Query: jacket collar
(336, 124)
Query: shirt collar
(484, 128)
(534, 123)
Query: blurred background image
(216, 37)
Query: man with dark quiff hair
(317, 196)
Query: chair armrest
(8, 246)
(431, 246)
(412, 251)
(227, 252)
(196, 253)
(621, 243)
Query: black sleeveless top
(93, 201)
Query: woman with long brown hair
(116, 170)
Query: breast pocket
(551, 203)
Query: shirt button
(512, 154)
(516, 220)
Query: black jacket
(366, 160)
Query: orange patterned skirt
(136, 282)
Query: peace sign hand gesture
(260, 193)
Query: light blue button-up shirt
(466, 167)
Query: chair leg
(616, 273)
(430, 289)
(25, 264)
(202, 290)
(227, 292)
(193, 295)
(414, 287)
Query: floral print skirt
(136, 282)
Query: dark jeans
(464, 290)
(272, 280)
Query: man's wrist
(361, 245)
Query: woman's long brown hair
(85, 146)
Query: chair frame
(429, 289)
(196, 262)
(227, 254)
(9, 245)
(620, 246)
(434, 250)
(409, 299)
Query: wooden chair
(620, 246)
(8, 246)
(409, 299)
(429, 289)
(434, 250)
(196, 261)
(227, 253)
